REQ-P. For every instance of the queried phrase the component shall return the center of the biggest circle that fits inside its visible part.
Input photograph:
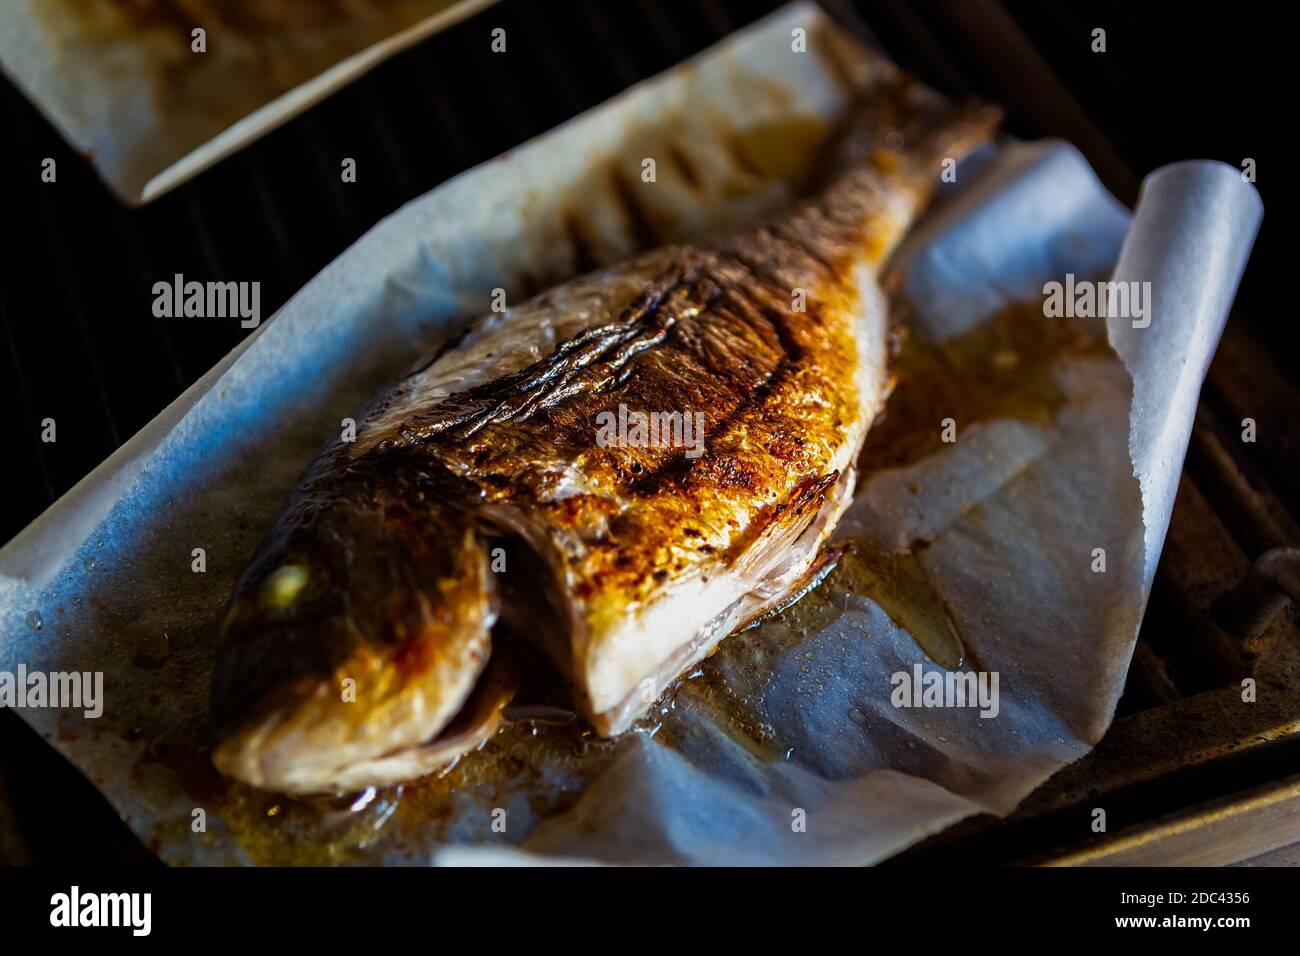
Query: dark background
(81, 345)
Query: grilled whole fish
(365, 623)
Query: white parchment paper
(128, 89)
(785, 747)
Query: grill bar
(131, 242)
(24, 403)
(73, 297)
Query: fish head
(357, 635)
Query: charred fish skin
(377, 571)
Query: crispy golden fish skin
(632, 558)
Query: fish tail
(901, 126)
(898, 143)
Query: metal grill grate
(81, 347)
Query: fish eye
(283, 585)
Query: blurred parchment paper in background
(786, 745)
(123, 83)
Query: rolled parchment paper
(1011, 507)
(1192, 233)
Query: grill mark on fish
(766, 262)
(767, 320)
(750, 394)
(605, 349)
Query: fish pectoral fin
(781, 523)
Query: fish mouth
(300, 762)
